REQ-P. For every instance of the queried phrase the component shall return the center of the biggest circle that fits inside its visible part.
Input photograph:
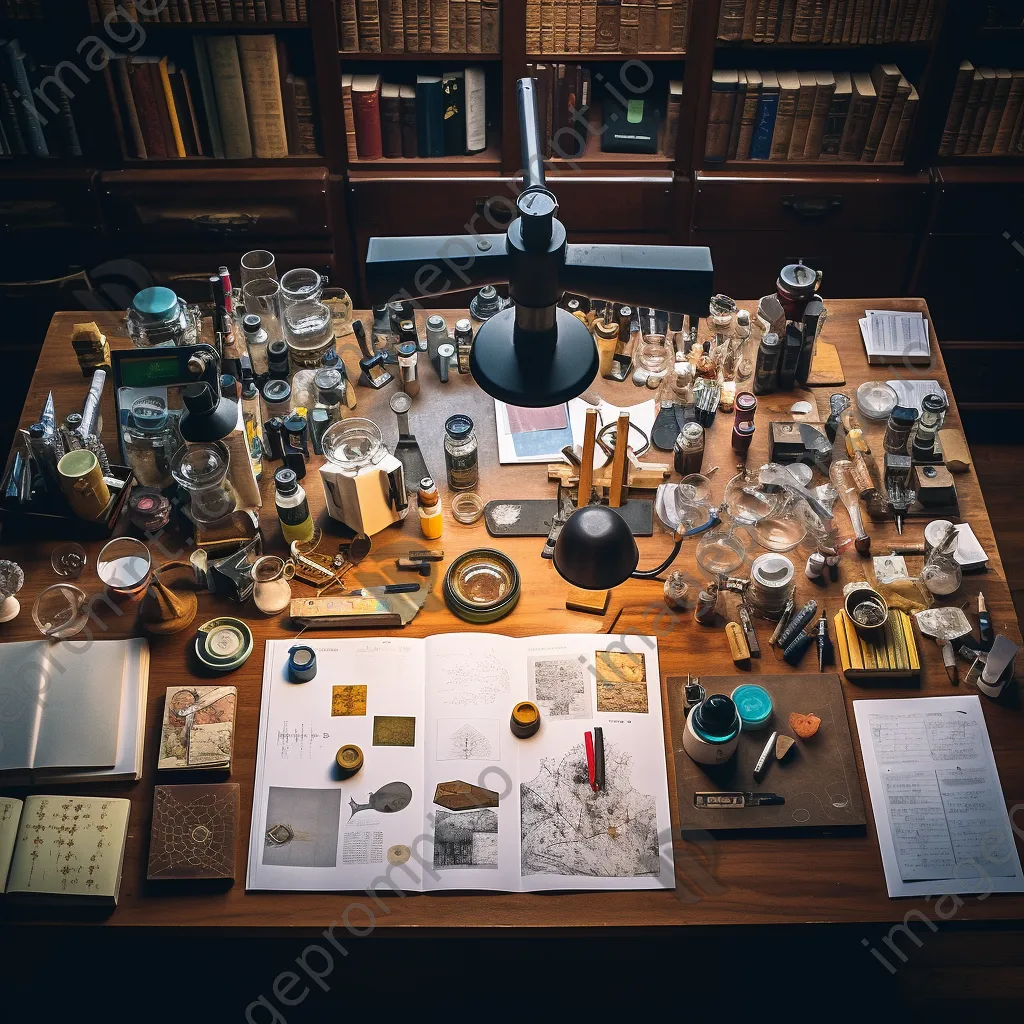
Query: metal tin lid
(458, 427)
(525, 720)
(156, 305)
(277, 391)
(745, 402)
(772, 571)
(327, 380)
(349, 760)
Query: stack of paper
(78, 711)
(894, 337)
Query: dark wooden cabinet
(861, 232)
(280, 207)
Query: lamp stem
(650, 574)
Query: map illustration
(466, 839)
(568, 829)
(469, 681)
(560, 687)
(467, 739)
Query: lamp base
(535, 375)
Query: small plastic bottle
(292, 507)
(252, 419)
(431, 520)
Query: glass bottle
(330, 390)
(431, 520)
(688, 451)
(277, 398)
(654, 353)
(150, 441)
(767, 368)
(463, 343)
(933, 413)
(461, 453)
(252, 420)
(292, 507)
(942, 573)
(256, 340)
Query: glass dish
(747, 500)
(68, 560)
(875, 399)
(353, 442)
(60, 611)
(201, 469)
(481, 586)
(123, 565)
(719, 553)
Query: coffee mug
(81, 480)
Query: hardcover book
(198, 727)
(194, 832)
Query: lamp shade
(595, 549)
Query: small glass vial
(463, 343)
(277, 398)
(252, 420)
(676, 589)
(330, 391)
(461, 452)
(767, 369)
(408, 356)
(933, 414)
(256, 340)
(688, 451)
(292, 507)
(437, 334)
(277, 360)
(742, 435)
(431, 520)
(150, 441)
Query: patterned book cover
(194, 832)
(198, 727)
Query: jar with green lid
(150, 440)
(461, 453)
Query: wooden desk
(726, 882)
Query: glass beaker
(942, 573)
(202, 469)
(308, 331)
(354, 442)
(258, 265)
(720, 552)
(150, 441)
(262, 298)
(301, 283)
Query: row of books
(828, 21)
(201, 11)
(441, 115)
(35, 108)
(613, 26)
(236, 100)
(1004, 14)
(986, 114)
(810, 115)
(22, 10)
(419, 26)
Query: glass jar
(157, 318)
(256, 339)
(463, 343)
(150, 441)
(201, 469)
(277, 398)
(301, 283)
(461, 453)
(688, 451)
(678, 386)
(933, 414)
(262, 298)
(654, 354)
(897, 430)
(330, 392)
(309, 332)
(304, 388)
(258, 265)
(272, 588)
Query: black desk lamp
(595, 550)
(535, 354)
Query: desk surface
(737, 881)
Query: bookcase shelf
(745, 44)
(486, 160)
(587, 58)
(791, 166)
(266, 27)
(387, 58)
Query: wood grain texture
(730, 882)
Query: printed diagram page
(571, 837)
(311, 828)
(473, 682)
(935, 794)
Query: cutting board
(818, 778)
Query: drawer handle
(225, 223)
(817, 206)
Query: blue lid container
(754, 705)
(156, 305)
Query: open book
(447, 797)
(63, 848)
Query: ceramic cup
(81, 480)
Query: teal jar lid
(754, 705)
(156, 305)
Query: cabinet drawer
(809, 204)
(217, 206)
(852, 267)
(627, 205)
(51, 202)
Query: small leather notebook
(818, 777)
(194, 832)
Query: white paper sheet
(549, 830)
(910, 393)
(935, 795)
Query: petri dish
(68, 560)
(779, 533)
(719, 553)
(875, 399)
(747, 500)
(60, 611)
(481, 585)
(123, 565)
(467, 507)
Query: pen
(598, 758)
(761, 768)
(588, 739)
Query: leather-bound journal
(194, 832)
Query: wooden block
(639, 479)
(593, 601)
(826, 367)
(955, 452)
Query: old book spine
(730, 19)
(671, 135)
(227, 84)
(392, 26)
(262, 83)
(134, 125)
(410, 26)
(831, 15)
(366, 108)
(547, 26)
(995, 113)
(784, 122)
(533, 26)
(1014, 102)
(957, 106)
(149, 118)
(891, 21)
(817, 34)
(771, 27)
(439, 27)
(349, 26)
(408, 116)
(369, 25)
(720, 115)
(736, 118)
(457, 26)
(748, 121)
(885, 89)
(819, 115)
(423, 20)
(984, 103)
(857, 120)
(662, 25)
(761, 21)
(679, 26)
(390, 122)
(899, 145)
(917, 30)
(262, 14)
(834, 125)
(115, 111)
(802, 118)
(802, 17)
(588, 26)
(350, 118)
(474, 27)
(559, 26)
(630, 20)
(892, 123)
(607, 26)
(490, 26)
(749, 18)
(573, 34)
(786, 15)
(970, 112)
(172, 111)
